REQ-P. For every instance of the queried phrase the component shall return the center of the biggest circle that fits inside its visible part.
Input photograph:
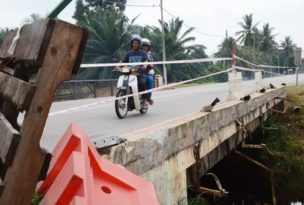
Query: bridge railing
(78, 89)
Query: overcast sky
(211, 18)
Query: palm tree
(226, 47)
(176, 47)
(198, 51)
(175, 40)
(268, 43)
(109, 40)
(249, 36)
(288, 46)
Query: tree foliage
(33, 18)
(226, 47)
(111, 30)
(261, 47)
(249, 34)
(108, 41)
(3, 32)
(287, 53)
(268, 43)
(86, 7)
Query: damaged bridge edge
(149, 148)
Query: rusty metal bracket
(196, 167)
(285, 108)
(220, 192)
(282, 98)
(257, 146)
(196, 152)
(279, 111)
(259, 164)
(241, 127)
(213, 192)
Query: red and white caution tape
(272, 66)
(241, 59)
(199, 60)
(261, 66)
(256, 70)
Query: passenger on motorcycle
(146, 45)
(137, 55)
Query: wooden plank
(60, 59)
(32, 44)
(9, 139)
(16, 91)
(1, 186)
(81, 50)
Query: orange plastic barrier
(79, 176)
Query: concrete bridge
(163, 153)
(174, 151)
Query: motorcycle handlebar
(127, 70)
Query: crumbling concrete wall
(162, 153)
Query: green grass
(36, 198)
(288, 144)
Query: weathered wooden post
(52, 49)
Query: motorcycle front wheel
(121, 105)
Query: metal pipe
(212, 192)
(59, 8)
(163, 40)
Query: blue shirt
(135, 56)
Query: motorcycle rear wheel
(143, 110)
(121, 105)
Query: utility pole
(278, 60)
(163, 41)
(297, 52)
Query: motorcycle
(127, 84)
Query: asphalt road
(100, 120)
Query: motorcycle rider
(146, 45)
(137, 55)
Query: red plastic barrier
(79, 176)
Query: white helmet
(146, 41)
(136, 37)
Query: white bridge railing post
(234, 85)
(258, 80)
